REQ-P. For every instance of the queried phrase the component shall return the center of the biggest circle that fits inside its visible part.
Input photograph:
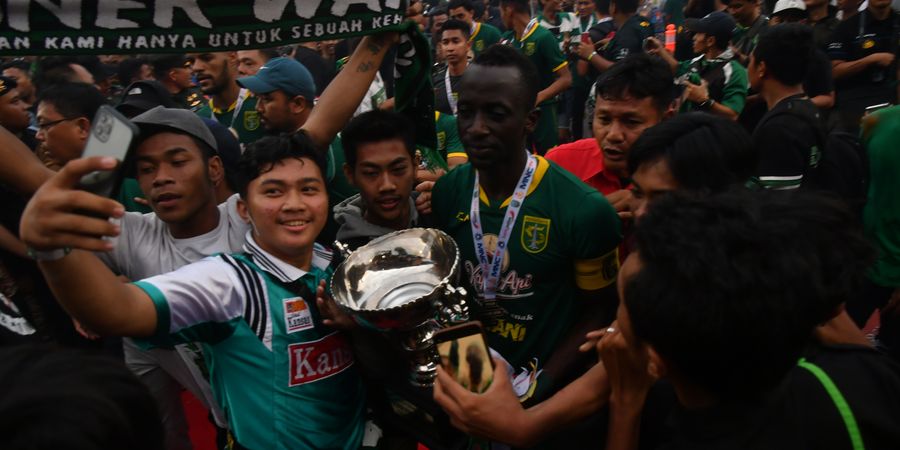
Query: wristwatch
(706, 105)
(48, 255)
(589, 58)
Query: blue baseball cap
(285, 74)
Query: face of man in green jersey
(492, 114)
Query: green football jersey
(541, 47)
(284, 379)
(483, 36)
(339, 189)
(565, 238)
(246, 123)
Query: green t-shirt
(882, 212)
(728, 83)
(283, 378)
(541, 47)
(483, 36)
(246, 123)
(449, 144)
(565, 238)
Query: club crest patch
(251, 120)
(535, 234)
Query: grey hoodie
(354, 230)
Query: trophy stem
(422, 354)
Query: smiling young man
(171, 174)
(380, 154)
(229, 104)
(270, 356)
(538, 247)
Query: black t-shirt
(799, 414)
(629, 39)
(860, 36)
(788, 139)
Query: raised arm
(19, 167)
(83, 285)
(343, 94)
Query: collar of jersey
(230, 107)
(530, 32)
(477, 28)
(279, 269)
(542, 167)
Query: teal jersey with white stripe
(284, 380)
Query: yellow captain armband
(597, 273)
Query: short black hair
(638, 76)
(62, 398)
(20, 64)
(453, 24)
(73, 100)
(506, 56)
(786, 49)
(53, 70)
(705, 153)
(602, 6)
(517, 5)
(732, 285)
(626, 6)
(466, 4)
(377, 126)
(270, 53)
(129, 68)
(261, 156)
(162, 64)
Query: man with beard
(229, 104)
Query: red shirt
(584, 159)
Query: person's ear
(232, 60)
(531, 120)
(348, 174)
(215, 170)
(297, 104)
(656, 366)
(84, 127)
(242, 209)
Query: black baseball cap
(718, 23)
(142, 96)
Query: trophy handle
(452, 307)
(342, 249)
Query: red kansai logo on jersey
(313, 361)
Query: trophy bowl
(402, 283)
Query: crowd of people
(674, 220)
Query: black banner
(48, 27)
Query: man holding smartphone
(179, 177)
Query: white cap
(782, 5)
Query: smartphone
(873, 108)
(465, 356)
(111, 135)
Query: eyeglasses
(47, 125)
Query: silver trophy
(402, 284)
